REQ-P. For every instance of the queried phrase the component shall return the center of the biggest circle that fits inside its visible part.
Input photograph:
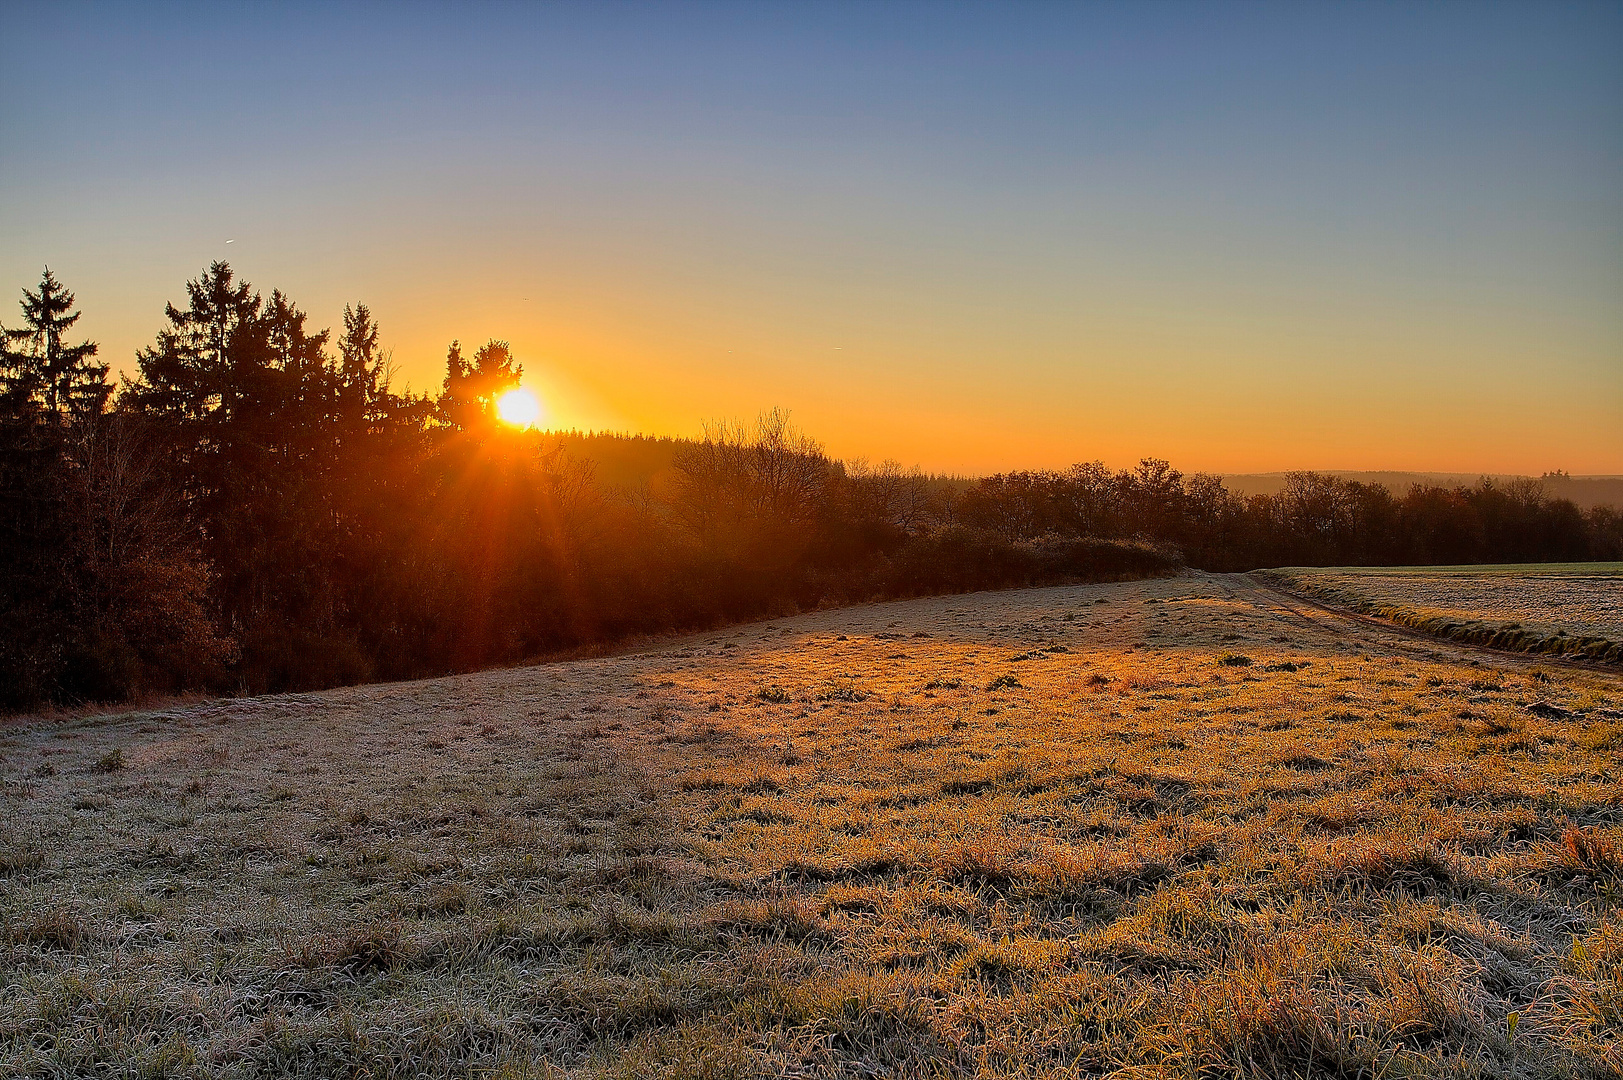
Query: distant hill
(1586, 491)
(631, 462)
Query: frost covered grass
(1571, 609)
(1051, 832)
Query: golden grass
(1032, 833)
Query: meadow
(1171, 828)
(1570, 609)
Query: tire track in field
(1342, 621)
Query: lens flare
(518, 407)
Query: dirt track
(1340, 621)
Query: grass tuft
(57, 929)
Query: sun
(518, 407)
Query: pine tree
(37, 364)
(359, 362)
(299, 395)
(101, 593)
(195, 370)
(242, 395)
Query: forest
(257, 509)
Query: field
(1572, 609)
(1174, 828)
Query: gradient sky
(969, 236)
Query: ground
(1560, 609)
(1187, 827)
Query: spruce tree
(360, 365)
(37, 363)
(197, 368)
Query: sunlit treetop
(472, 388)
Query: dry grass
(1046, 833)
(1572, 609)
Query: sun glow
(518, 407)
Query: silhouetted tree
(102, 595)
(38, 363)
(472, 387)
(363, 377)
(245, 399)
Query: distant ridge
(1586, 491)
(635, 461)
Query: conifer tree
(242, 395)
(360, 365)
(195, 370)
(37, 363)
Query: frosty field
(1572, 609)
(1172, 828)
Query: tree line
(257, 509)
(1314, 520)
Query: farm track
(1325, 617)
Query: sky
(972, 237)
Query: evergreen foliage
(36, 362)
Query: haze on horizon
(976, 237)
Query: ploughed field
(1171, 828)
(1567, 609)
